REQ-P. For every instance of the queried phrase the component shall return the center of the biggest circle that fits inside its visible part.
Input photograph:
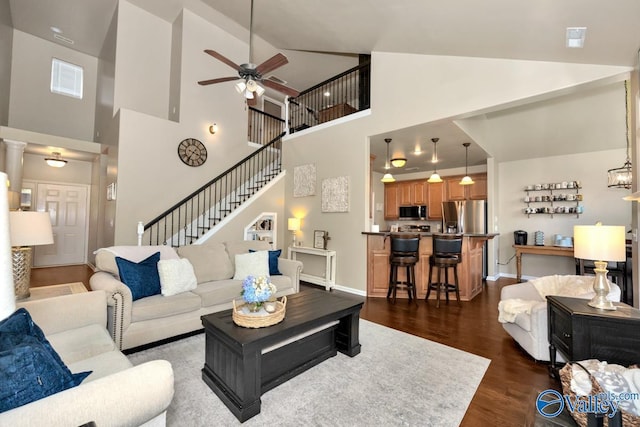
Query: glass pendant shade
(466, 180)
(434, 178)
(398, 162)
(387, 177)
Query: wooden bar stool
(404, 253)
(447, 253)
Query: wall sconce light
(213, 129)
(56, 161)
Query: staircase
(204, 209)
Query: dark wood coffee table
(243, 363)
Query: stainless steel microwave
(412, 212)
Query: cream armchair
(523, 308)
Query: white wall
(32, 104)
(143, 54)
(75, 171)
(600, 204)
(6, 42)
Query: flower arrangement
(257, 290)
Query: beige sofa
(157, 317)
(522, 309)
(116, 393)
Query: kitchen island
(469, 270)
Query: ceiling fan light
(387, 177)
(248, 94)
(240, 87)
(252, 85)
(398, 162)
(466, 180)
(434, 178)
(259, 90)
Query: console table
(329, 279)
(538, 250)
(582, 332)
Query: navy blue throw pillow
(141, 277)
(273, 262)
(30, 369)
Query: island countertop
(469, 270)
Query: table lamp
(293, 226)
(600, 243)
(27, 229)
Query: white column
(7, 295)
(14, 166)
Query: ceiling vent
(63, 38)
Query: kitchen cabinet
(420, 192)
(436, 197)
(475, 191)
(405, 193)
(391, 201)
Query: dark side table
(582, 332)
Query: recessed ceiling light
(575, 36)
(56, 30)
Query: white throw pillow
(176, 276)
(252, 264)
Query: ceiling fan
(252, 74)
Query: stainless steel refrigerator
(468, 216)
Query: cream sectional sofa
(157, 317)
(116, 393)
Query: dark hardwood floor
(506, 396)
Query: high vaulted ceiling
(533, 30)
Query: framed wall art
(304, 180)
(335, 194)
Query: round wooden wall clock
(192, 152)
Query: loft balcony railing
(264, 127)
(193, 216)
(349, 92)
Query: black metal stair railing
(264, 127)
(203, 209)
(348, 93)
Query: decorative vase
(254, 307)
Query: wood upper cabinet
(420, 192)
(391, 201)
(405, 193)
(455, 191)
(476, 191)
(436, 197)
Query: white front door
(67, 206)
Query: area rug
(398, 379)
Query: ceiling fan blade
(220, 80)
(252, 102)
(281, 88)
(224, 59)
(276, 61)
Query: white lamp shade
(599, 242)
(434, 178)
(30, 228)
(293, 224)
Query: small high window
(66, 78)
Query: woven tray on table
(566, 374)
(259, 320)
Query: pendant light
(466, 180)
(434, 178)
(621, 177)
(387, 176)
